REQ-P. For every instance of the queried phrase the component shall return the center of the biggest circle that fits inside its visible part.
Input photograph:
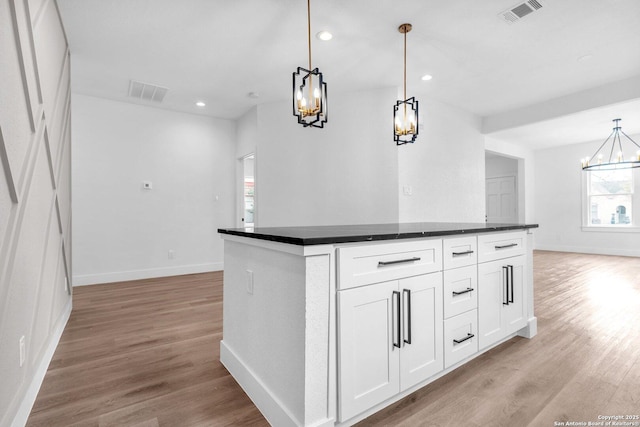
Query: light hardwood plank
(146, 353)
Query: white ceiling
(219, 51)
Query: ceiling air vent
(146, 91)
(519, 11)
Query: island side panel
(279, 340)
(263, 343)
(320, 349)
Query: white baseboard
(531, 330)
(36, 382)
(587, 250)
(123, 276)
(258, 392)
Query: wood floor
(146, 353)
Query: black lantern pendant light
(309, 90)
(613, 161)
(405, 113)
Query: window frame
(633, 227)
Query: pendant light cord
(309, 29)
(405, 66)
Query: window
(610, 198)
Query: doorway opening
(502, 189)
(248, 194)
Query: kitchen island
(326, 325)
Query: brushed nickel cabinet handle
(461, 253)
(398, 261)
(408, 311)
(463, 292)
(510, 245)
(396, 296)
(510, 268)
(505, 280)
(468, 337)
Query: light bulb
(324, 35)
(316, 93)
(299, 95)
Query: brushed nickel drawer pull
(399, 261)
(510, 245)
(468, 337)
(461, 253)
(462, 292)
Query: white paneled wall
(35, 198)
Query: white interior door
(501, 200)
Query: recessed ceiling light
(324, 35)
(200, 104)
(585, 58)
(427, 77)
(253, 95)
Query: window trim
(634, 227)
(611, 229)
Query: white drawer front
(460, 290)
(459, 252)
(460, 337)
(495, 246)
(373, 263)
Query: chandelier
(599, 160)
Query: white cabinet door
(515, 312)
(501, 299)
(491, 283)
(368, 361)
(421, 356)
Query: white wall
(558, 200)
(35, 198)
(498, 166)
(247, 133)
(444, 167)
(346, 173)
(122, 231)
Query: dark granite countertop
(329, 234)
